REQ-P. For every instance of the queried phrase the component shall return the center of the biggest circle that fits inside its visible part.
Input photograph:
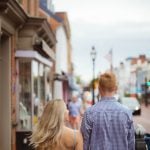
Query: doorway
(5, 93)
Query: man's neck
(107, 94)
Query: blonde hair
(48, 130)
(107, 82)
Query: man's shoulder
(115, 107)
(89, 111)
(123, 109)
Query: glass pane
(35, 76)
(25, 103)
(47, 84)
(41, 87)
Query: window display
(47, 84)
(42, 82)
(25, 111)
(34, 85)
(36, 100)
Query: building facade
(62, 57)
(132, 74)
(26, 61)
(63, 50)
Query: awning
(33, 54)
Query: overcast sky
(123, 25)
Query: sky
(120, 25)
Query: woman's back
(50, 132)
(70, 140)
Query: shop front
(12, 17)
(34, 66)
(26, 66)
(34, 89)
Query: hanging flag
(108, 56)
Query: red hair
(107, 82)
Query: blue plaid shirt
(108, 126)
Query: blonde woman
(51, 133)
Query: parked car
(132, 103)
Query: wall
(31, 7)
(5, 99)
(61, 50)
(61, 60)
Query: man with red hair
(108, 125)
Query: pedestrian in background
(51, 133)
(108, 125)
(75, 111)
(87, 100)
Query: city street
(144, 118)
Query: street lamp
(93, 56)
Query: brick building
(26, 61)
(63, 50)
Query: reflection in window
(25, 111)
(41, 88)
(35, 90)
(42, 83)
(47, 84)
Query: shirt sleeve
(131, 135)
(86, 127)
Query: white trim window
(34, 87)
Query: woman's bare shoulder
(68, 133)
(71, 132)
(73, 136)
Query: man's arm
(86, 128)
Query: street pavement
(144, 118)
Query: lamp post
(93, 56)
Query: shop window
(42, 84)
(36, 100)
(41, 88)
(47, 84)
(34, 92)
(25, 99)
